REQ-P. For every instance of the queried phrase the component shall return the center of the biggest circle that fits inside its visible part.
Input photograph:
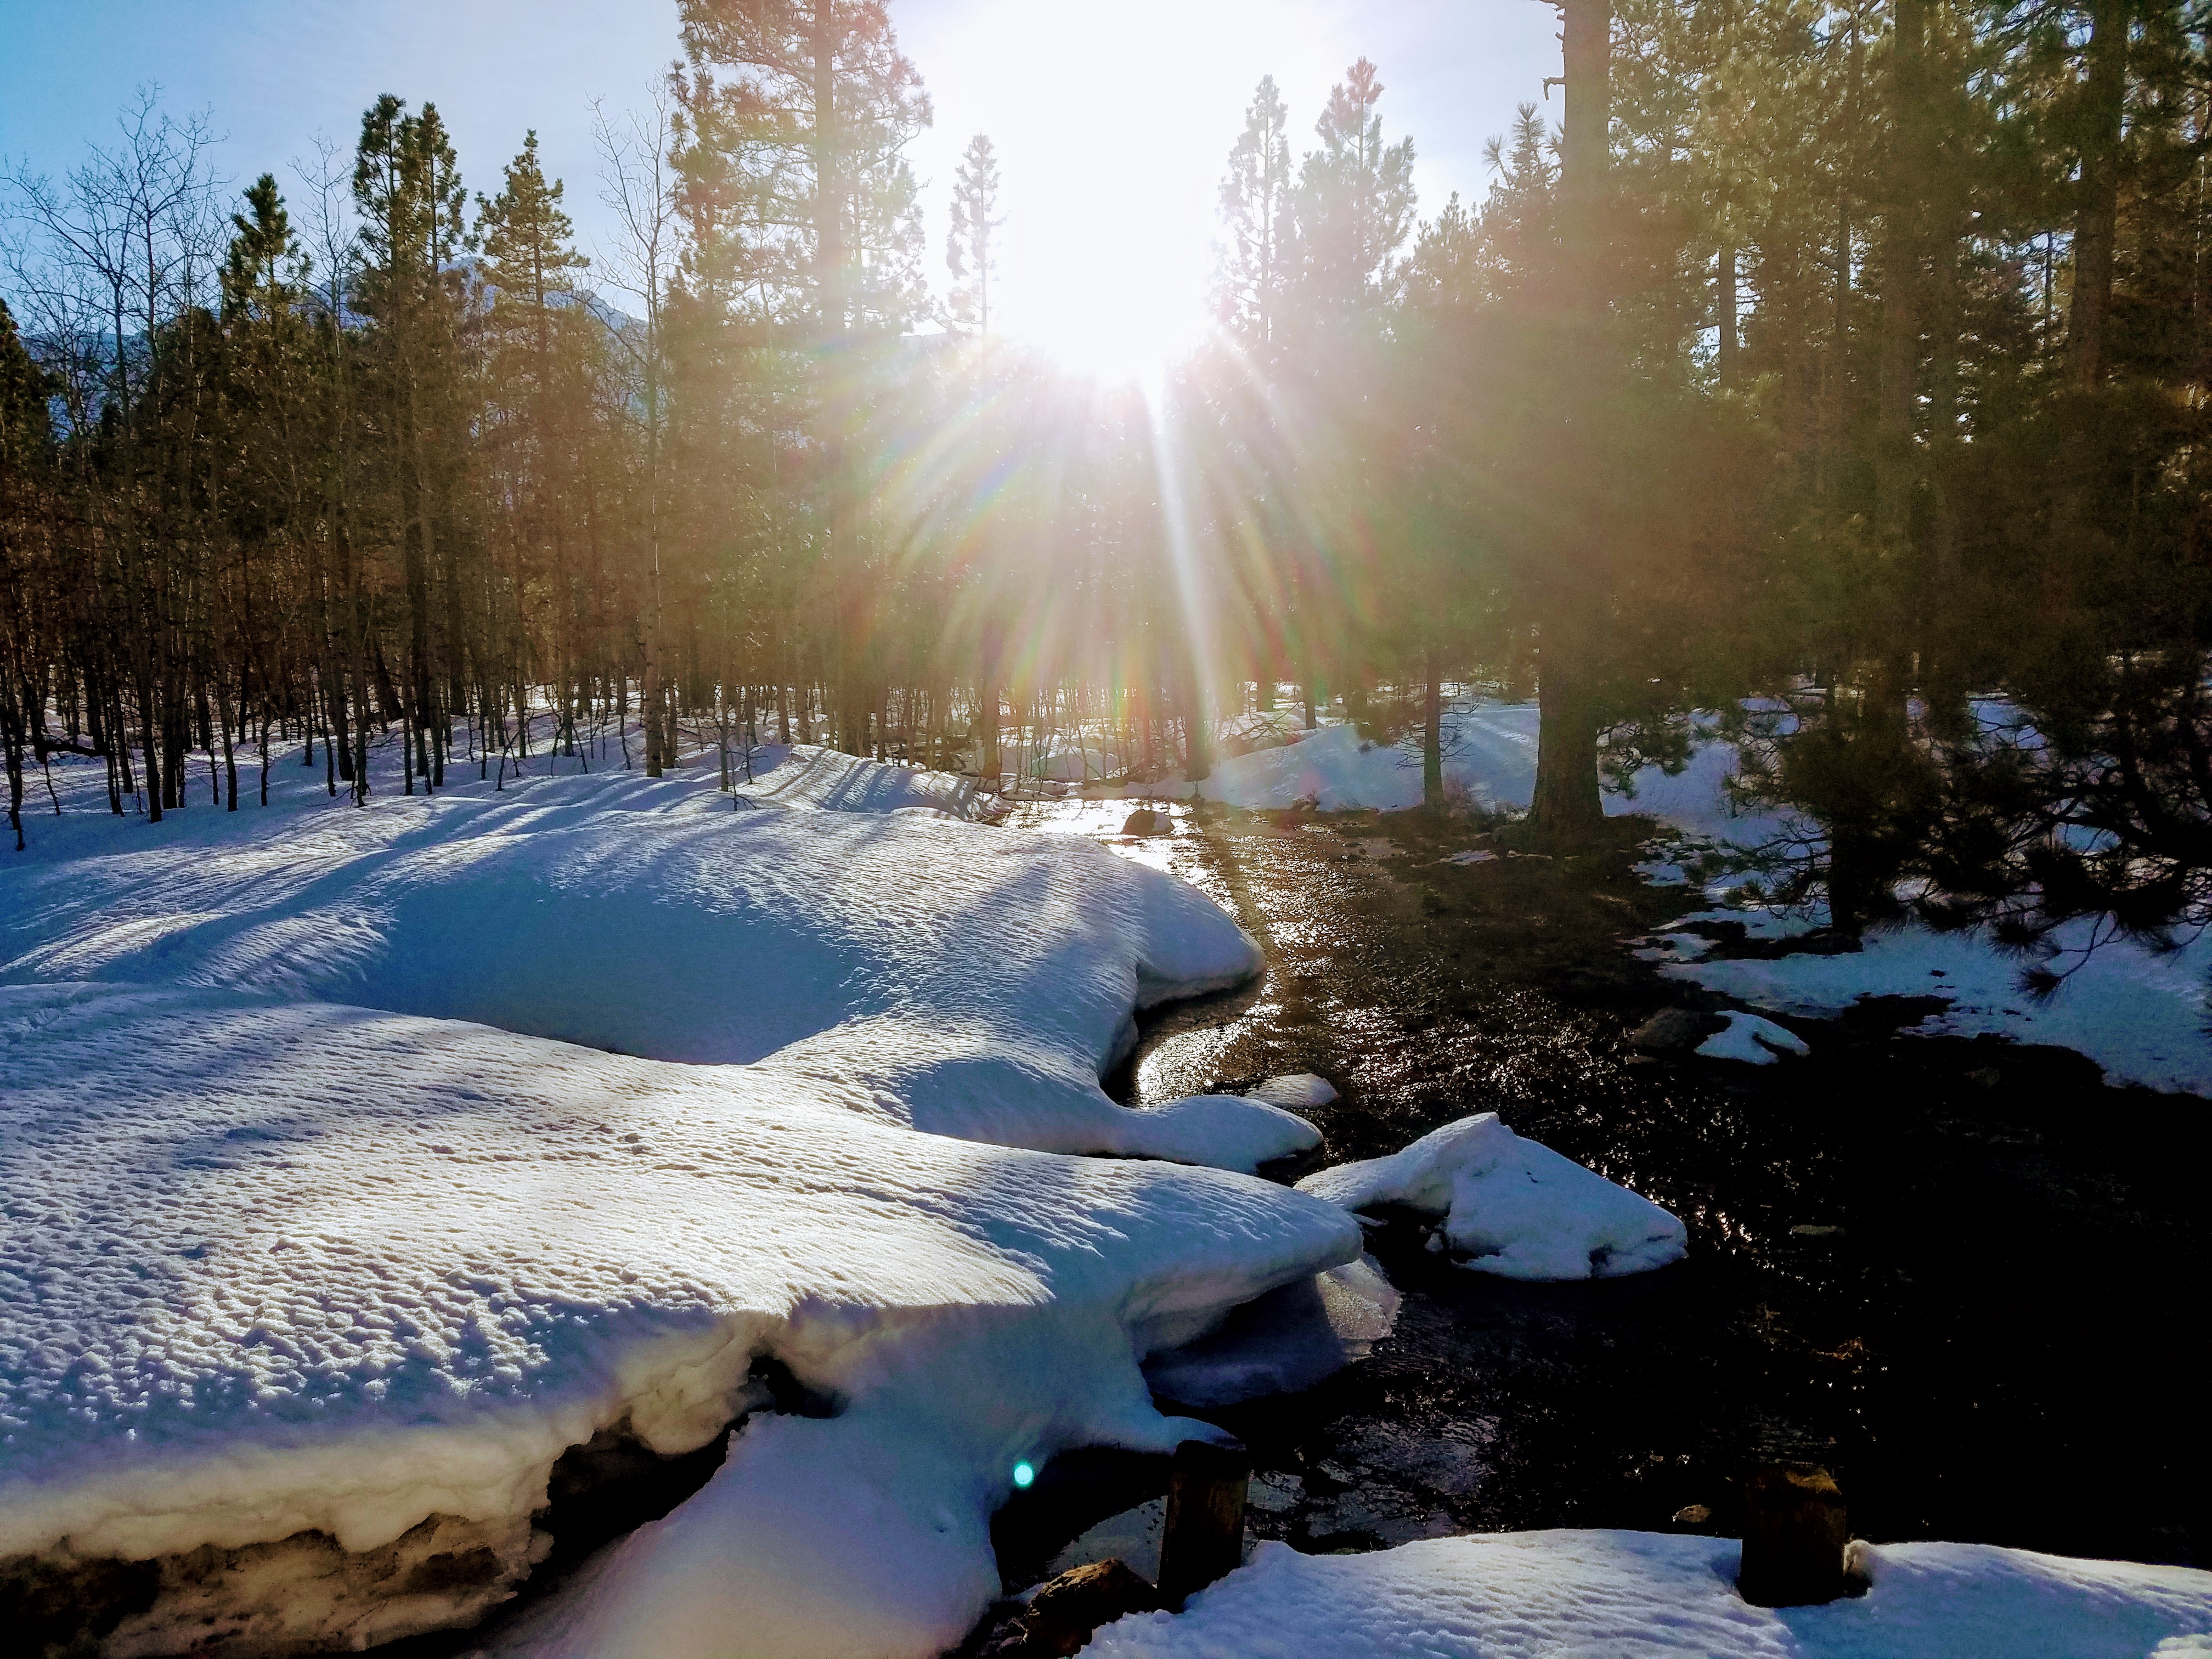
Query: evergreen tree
(1354, 202)
(970, 253)
(1258, 266)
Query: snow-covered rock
(1753, 1041)
(1644, 1595)
(1512, 1207)
(1299, 1091)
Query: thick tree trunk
(2096, 223)
(1566, 811)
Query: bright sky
(1113, 123)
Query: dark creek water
(1965, 1276)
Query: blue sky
(1113, 121)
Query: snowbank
(804, 776)
(1512, 1206)
(360, 1162)
(1642, 1596)
(1070, 762)
(278, 1267)
(971, 982)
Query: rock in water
(1299, 1091)
(1668, 1030)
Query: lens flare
(1023, 1473)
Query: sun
(1112, 317)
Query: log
(1793, 1534)
(1204, 1537)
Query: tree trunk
(1894, 460)
(2097, 217)
(1432, 736)
(1566, 811)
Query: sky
(1113, 123)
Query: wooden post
(1794, 1533)
(1204, 1537)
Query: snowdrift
(1518, 1596)
(360, 1164)
(801, 774)
(972, 982)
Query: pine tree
(971, 251)
(1257, 268)
(407, 187)
(1354, 202)
(805, 205)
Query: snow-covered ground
(1645, 1596)
(1490, 756)
(2143, 1016)
(358, 1161)
(2140, 1015)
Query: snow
(1072, 763)
(804, 776)
(1300, 1091)
(1489, 754)
(1754, 1041)
(2139, 1014)
(1513, 1207)
(1284, 1341)
(355, 1162)
(973, 981)
(1644, 1595)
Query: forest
(1845, 360)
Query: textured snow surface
(294, 1238)
(1644, 1595)
(1514, 1207)
(800, 774)
(974, 982)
